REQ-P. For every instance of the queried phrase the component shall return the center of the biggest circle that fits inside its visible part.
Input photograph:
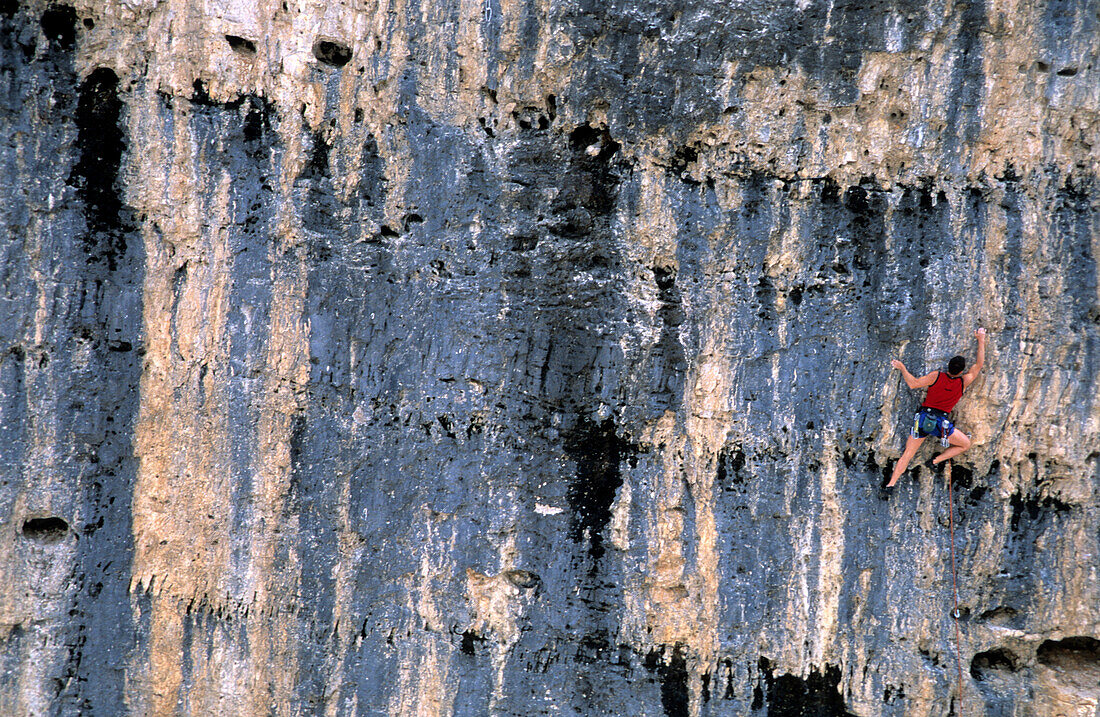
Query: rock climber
(944, 391)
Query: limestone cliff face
(411, 357)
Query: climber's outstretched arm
(912, 381)
(969, 376)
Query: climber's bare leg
(959, 442)
(911, 446)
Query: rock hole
(524, 242)
(1076, 654)
(439, 268)
(447, 424)
(986, 663)
(241, 44)
(522, 578)
(50, 529)
(333, 54)
(1000, 615)
(583, 137)
(1067, 71)
(1042, 66)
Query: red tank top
(944, 393)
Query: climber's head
(956, 365)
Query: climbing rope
(954, 585)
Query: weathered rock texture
(428, 357)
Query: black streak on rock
(257, 126)
(731, 463)
(593, 176)
(682, 159)
(597, 451)
(892, 694)
(201, 96)
(59, 26)
(1031, 511)
(319, 211)
(470, 640)
(101, 143)
(669, 348)
(817, 695)
(671, 669)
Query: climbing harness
(931, 421)
(954, 585)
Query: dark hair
(956, 365)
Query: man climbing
(933, 418)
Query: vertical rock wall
(422, 358)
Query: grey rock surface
(532, 358)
